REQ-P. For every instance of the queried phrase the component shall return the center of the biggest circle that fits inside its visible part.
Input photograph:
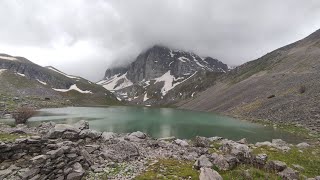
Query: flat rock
(182, 143)
(303, 145)
(202, 161)
(209, 174)
(276, 166)
(289, 174)
(88, 133)
(107, 136)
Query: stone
(216, 138)
(279, 142)
(171, 138)
(123, 150)
(88, 133)
(202, 161)
(303, 145)
(81, 125)
(182, 143)
(86, 156)
(107, 136)
(31, 173)
(139, 135)
(5, 173)
(289, 174)
(266, 143)
(298, 167)
(243, 141)
(260, 160)
(276, 166)
(201, 142)
(221, 163)
(241, 151)
(209, 174)
(39, 159)
(77, 172)
(59, 129)
(55, 153)
(232, 161)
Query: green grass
(239, 173)
(170, 169)
(309, 158)
(10, 137)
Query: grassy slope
(243, 92)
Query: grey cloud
(115, 31)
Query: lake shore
(60, 151)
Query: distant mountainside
(31, 83)
(282, 86)
(157, 72)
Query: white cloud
(84, 37)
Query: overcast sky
(85, 37)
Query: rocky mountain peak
(161, 68)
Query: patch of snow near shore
(145, 98)
(44, 83)
(8, 58)
(73, 87)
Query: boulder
(77, 172)
(81, 125)
(266, 143)
(107, 136)
(221, 163)
(215, 138)
(59, 129)
(243, 141)
(202, 161)
(88, 133)
(241, 151)
(276, 166)
(139, 135)
(260, 160)
(182, 143)
(209, 174)
(298, 167)
(289, 174)
(201, 142)
(38, 159)
(303, 145)
(123, 150)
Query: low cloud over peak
(86, 37)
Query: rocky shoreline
(61, 151)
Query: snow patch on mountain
(8, 58)
(116, 82)
(21, 74)
(44, 83)
(60, 72)
(73, 87)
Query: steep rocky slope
(30, 83)
(156, 74)
(282, 86)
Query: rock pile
(61, 151)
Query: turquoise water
(163, 122)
